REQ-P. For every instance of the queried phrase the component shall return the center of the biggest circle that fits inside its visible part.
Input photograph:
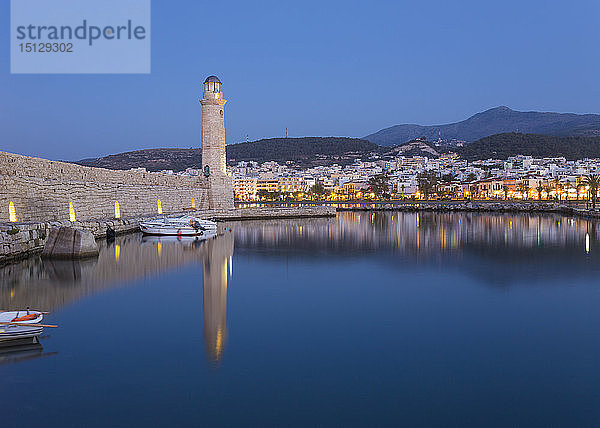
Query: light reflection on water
(334, 317)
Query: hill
(414, 148)
(494, 121)
(151, 159)
(501, 146)
(305, 152)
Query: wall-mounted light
(71, 212)
(117, 210)
(193, 203)
(159, 204)
(12, 214)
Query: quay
(21, 240)
(474, 206)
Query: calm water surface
(366, 319)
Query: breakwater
(20, 240)
(38, 190)
(500, 207)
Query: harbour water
(413, 319)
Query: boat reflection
(23, 352)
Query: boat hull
(178, 226)
(172, 231)
(16, 334)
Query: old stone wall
(41, 190)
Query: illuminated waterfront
(367, 318)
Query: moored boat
(178, 226)
(20, 325)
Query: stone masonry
(41, 190)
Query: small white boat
(19, 325)
(178, 226)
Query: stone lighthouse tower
(220, 190)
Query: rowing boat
(178, 226)
(19, 325)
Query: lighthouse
(213, 145)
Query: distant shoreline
(485, 206)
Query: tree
(557, 188)
(473, 190)
(427, 181)
(447, 178)
(379, 185)
(566, 187)
(263, 193)
(318, 189)
(539, 189)
(578, 187)
(471, 177)
(524, 188)
(505, 190)
(593, 182)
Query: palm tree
(566, 188)
(539, 189)
(593, 182)
(523, 188)
(557, 187)
(473, 190)
(505, 190)
(578, 187)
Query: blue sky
(316, 67)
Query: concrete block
(70, 243)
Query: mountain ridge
(496, 120)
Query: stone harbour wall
(42, 190)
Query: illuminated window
(71, 212)
(159, 204)
(12, 214)
(117, 210)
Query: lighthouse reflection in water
(216, 254)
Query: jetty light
(71, 212)
(12, 213)
(159, 205)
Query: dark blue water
(367, 319)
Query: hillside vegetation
(501, 146)
(305, 152)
